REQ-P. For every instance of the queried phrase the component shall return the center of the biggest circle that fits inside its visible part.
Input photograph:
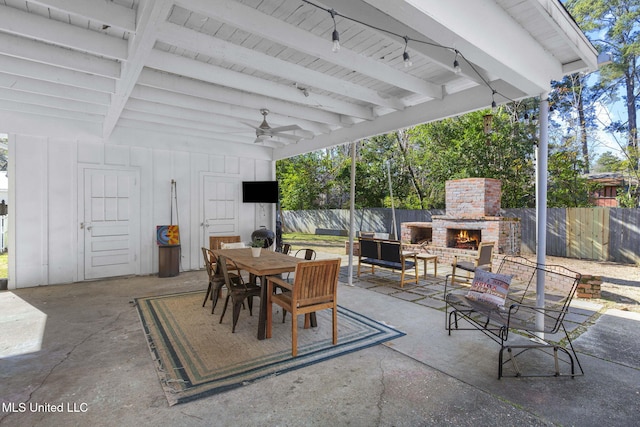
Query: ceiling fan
(264, 131)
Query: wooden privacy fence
(601, 234)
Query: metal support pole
(393, 209)
(352, 208)
(541, 202)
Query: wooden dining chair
(237, 290)
(216, 241)
(232, 245)
(315, 287)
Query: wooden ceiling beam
(32, 50)
(213, 74)
(175, 83)
(63, 91)
(151, 12)
(251, 20)
(17, 22)
(231, 53)
(103, 12)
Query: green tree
(4, 153)
(573, 101)
(608, 162)
(460, 148)
(567, 186)
(424, 157)
(298, 181)
(372, 188)
(613, 26)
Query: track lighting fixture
(405, 55)
(335, 36)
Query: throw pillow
(489, 287)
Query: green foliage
(306, 180)
(4, 265)
(459, 148)
(567, 186)
(626, 199)
(257, 243)
(608, 162)
(420, 160)
(4, 153)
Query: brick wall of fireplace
(472, 215)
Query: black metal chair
(238, 291)
(309, 254)
(216, 280)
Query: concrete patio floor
(93, 357)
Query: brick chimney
(473, 198)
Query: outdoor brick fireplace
(472, 216)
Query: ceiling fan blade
(289, 137)
(285, 128)
(306, 134)
(250, 125)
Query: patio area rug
(196, 356)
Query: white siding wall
(46, 198)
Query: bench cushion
(489, 287)
(387, 264)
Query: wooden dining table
(267, 264)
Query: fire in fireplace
(463, 239)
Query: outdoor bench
(386, 254)
(506, 301)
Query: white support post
(352, 208)
(541, 202)
(393, 229)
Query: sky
(605, 141)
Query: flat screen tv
(260, 191)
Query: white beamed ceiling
(201, 70)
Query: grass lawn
(4, 265)
(321, 243)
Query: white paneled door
(221, 198)
(111, 223)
